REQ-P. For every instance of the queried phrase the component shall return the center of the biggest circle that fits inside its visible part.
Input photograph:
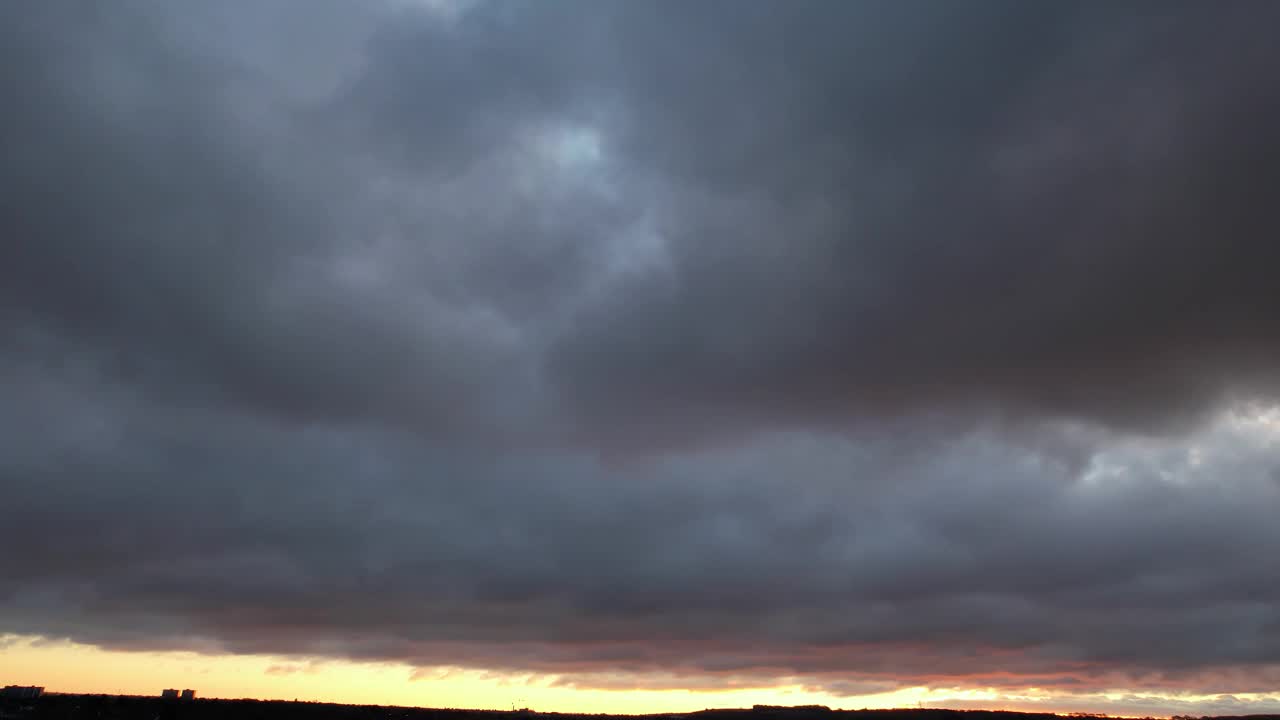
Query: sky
(643, 355)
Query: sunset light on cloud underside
(643, 355)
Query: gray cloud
(647, 344)
(1041, 210)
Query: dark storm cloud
(983, 559)
(889, 206)
(177, 215)
(316, 319)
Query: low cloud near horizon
(651, 344)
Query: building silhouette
(188, 694)
(21, 692)
(169, 694)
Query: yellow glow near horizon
(62, 666)
(69, 667)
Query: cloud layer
(870, 344)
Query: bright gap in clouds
(445, 10)
(573, 146)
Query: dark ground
(113, 707)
